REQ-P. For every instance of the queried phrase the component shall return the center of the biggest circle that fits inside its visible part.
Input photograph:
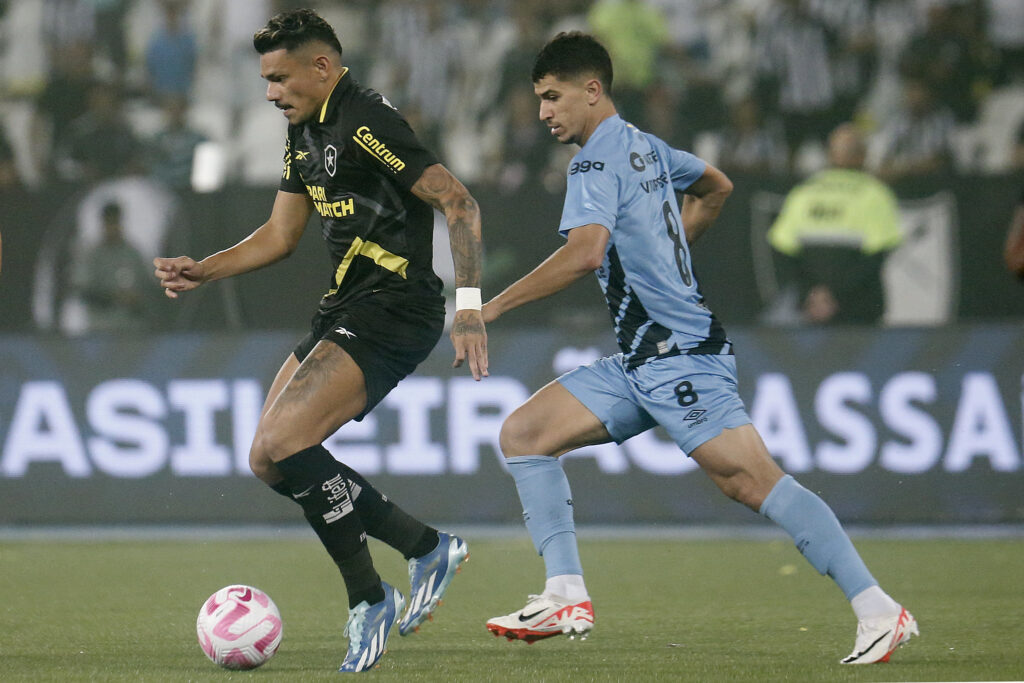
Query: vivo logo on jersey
(330, 159)
(654, 184)
(584, 166)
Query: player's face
(294, 84)
(564, 108)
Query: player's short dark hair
(571, 55)
(293, 29)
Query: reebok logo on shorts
(342, 330)
(695, 417)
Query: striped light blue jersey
(625, 180)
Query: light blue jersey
(625, 180)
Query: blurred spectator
(687, 96)
(634, 33)
(112, 279)
(917, 140)
(852, 58)
(69, 23)
(833, 236)
(64, 97)
(1013, 251)
(527, 145)
(794, 78)
(1017, 159)
(1004, 22)
(749, 143)
(894, 23)
(110, 33)
(951, 57)
(9, 178)
(100, 143)
(171, 54)
(418, 62)
(96, 23)
(171, 152)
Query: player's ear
(594, 90)
(322, 64)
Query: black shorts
(386, 335)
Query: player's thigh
(259, 461)
(326, 390)
(740, 465)
(551, 422)
(280, 380)
(589, 405)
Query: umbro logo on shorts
(695, 417)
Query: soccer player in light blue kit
(676, 366)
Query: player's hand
(178, 274)
(820, 306)
(490, 312)
(470, 341)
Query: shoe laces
(530, 599)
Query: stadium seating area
(741, 82)
(167, 92)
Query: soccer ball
(239, 627)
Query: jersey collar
(330, 104)
(613, 121)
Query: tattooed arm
(443, 191)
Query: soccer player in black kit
(352, 158)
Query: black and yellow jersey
(357, 160)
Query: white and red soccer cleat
(545, 616)
(877, 639)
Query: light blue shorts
(694, 397)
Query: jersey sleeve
(684, 167)
(290, 180)
(591, 195)
(384, 143)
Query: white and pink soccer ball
(239, 627)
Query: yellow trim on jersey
(381, 256)
(323, 109)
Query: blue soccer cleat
(429, 577)
(367, 630)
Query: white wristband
(468, 298)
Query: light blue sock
(817, 534)
(547, 510)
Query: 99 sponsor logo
(584, 166)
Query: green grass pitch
(672, 610)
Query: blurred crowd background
(143, 123)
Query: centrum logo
(365, 139)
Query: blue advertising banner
(915, 425)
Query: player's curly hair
(293, 29)
(570, 55)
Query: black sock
(387, 522)
(283, 488)
(318, 483)
(361, 579)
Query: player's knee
(267, 448)
(261, 466)
(518, 437)
(743, 488)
